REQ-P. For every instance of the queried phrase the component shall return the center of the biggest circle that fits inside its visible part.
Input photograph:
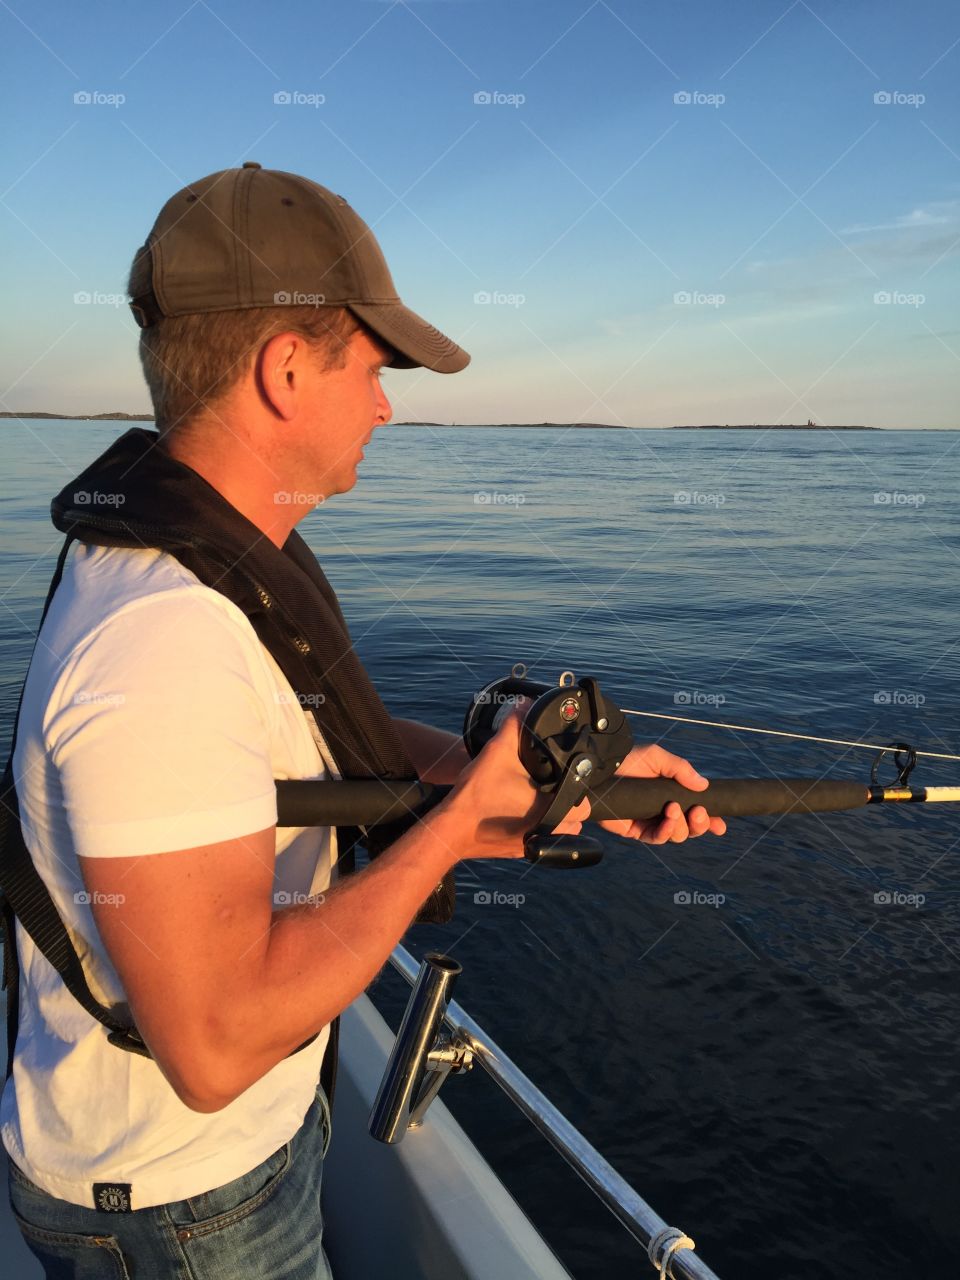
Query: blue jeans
(265, 1225)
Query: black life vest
(158, 502)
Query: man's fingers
(681, 830)
(663, 831)
(578, 815)
(675, 826)
(660, 831)
(568, 828)
(698, 820)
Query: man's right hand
(496, 803)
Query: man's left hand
(674, 826)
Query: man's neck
(241, 489)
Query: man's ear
(280, 370)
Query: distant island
(616, 426)
(82, 417)
(773, 426)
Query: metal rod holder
(420, 1061)
(627, 1205)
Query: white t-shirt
(153, 720)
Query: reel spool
(492, 705)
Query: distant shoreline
(480, 426)
(82, 417)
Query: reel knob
(562, 853)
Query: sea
(760, 1032)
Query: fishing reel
(571, 738)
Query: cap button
(251, 164)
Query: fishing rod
(572, 741)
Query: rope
(780, 733)
(670, 1240)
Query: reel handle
(564, 853)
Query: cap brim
(416, 342)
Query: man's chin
(345, 483)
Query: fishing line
(780, 733)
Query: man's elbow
(199, 1093)
(205, 1104)
(201, 1085)
(209, 1062)
(204, 1096)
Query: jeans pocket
(325, 1122)
(214, 1210)
(64, 1254)
(273, 1231)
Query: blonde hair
(191, 362)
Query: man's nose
(384, 407)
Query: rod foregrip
(643, 798)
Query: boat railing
(662, 1242)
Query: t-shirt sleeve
(159, 732)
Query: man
(191, 654)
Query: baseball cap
(255, 237)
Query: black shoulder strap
(25, 897)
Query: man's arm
(222, 987)
(439, 756)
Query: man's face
(345, 407)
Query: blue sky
(681, 212)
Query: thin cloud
(940, 214)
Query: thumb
(509, 720)
(680, 770)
